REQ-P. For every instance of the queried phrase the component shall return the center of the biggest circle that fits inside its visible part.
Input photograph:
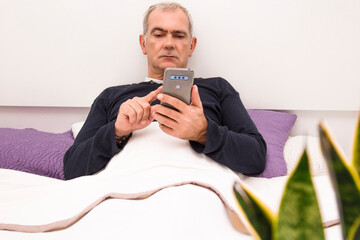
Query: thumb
(195, 97)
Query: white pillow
(76, 127)
(294, 147)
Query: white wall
(50, 119)
(304, 55)
(342, 125)
(281, 54)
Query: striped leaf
(354, 232)
(299, 215)
(344, 179)
(259, 216)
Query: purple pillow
(42, 153)
(33, 151)
(275, 128)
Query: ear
(192, 46)
(142, 43)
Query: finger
(173, 101)
(153, 95)
(128, 112)
(164, 121)
(166, 129)
(146, 111)
(167, 112)
(139, 111)
(161, 114)
(195, 97)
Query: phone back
(178, 82)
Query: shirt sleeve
(234, 141)
(95, 144)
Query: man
(216, 122)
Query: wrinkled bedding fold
(150, 162)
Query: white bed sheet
(182, 212)
(29, 200)
(169, 214)
(172, 214)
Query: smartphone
(178, 82)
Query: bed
(140, 194)
(291, 56)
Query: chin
(170, 65)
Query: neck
(155, 71)
(159, 75)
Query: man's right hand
(135, 114)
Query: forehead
(171, 20)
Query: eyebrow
(165, 31)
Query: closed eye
(158, 32)
(180, 36)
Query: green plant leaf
(357, 234)
(344, 179)
(259, 216)
(299, 215)
(356, 151)
(354, 232)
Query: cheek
(186, 51)
(151, 51)
(151, 46)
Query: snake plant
(299, 215)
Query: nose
(169, 44)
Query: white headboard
(299, 55)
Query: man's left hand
(188, 123)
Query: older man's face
(168, 42)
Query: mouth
(168, 57)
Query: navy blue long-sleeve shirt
(232, 138)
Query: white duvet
(184, 195)
(151, 162)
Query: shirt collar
(147, 79)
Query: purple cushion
(33, 151)
(275, 128)
(42, 153)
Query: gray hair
(166, 6)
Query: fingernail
(160, 96)
(143, 122)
